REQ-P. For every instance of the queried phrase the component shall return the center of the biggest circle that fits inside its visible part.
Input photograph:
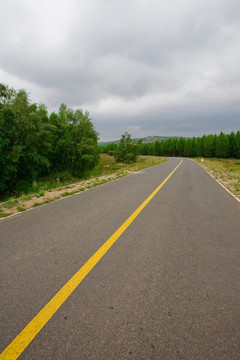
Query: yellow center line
(23, 339)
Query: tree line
(35, 145)
(209, 146)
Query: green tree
(200, 146)
(127, 150)
(222, 146)
(232, 144)
(157, 148)
(24, 140)
(209, 146)
(75, 142)
(33, 145)
(86, 151)
(110, 149)
(188, 148)
(237, 145)
(181, 146)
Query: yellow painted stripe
(19, 344)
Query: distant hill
(159, 138)
(146, 139)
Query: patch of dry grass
(108, 165)
(226, 171)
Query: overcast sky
(149, 67)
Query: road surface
(168, 288)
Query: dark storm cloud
(149, 67)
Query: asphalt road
(169, 288)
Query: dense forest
(34, 145)
(210, 146)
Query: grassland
(108, 165)
(226, 171)
(51, 189)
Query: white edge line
(78, 193)
(217, 181)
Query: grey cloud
(163, 67)
(188, 122)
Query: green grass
(67, 193)
(19, 208)
(41, 203)
(89, 186)
(10, 203)
(26, 197)
(37, 204)
(3, 214)
(57, 198)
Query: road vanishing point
(145, 267)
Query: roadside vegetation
(51, 189)
(127, 151)
(34, 145)
(226, 171)
(45, 157)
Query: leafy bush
(127, 151)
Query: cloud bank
(148, 67)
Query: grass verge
(107, 170)
(108, 165)
(226, 171)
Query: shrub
(127, 151)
